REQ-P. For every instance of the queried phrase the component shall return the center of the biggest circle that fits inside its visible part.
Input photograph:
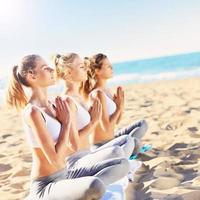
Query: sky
(124, 30)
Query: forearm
(74, 139)
(87, 129)
(115, 117)
(110, 123)
(63, 141)
(120, 117)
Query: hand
(119, 98)
(62, 111)
(95, 111)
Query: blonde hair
(15, 95)
(62, 63)
(95, 62)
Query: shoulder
(32, 114)
(71, 102)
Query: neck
(39, 97)
(72, 88)
(101, 83)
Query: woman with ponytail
(99, 70)
(51, 138)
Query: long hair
(93, 63)
(15, 95)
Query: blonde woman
(99, 71)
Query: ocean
(147, 70)
(162, 68)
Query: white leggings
(84, 182)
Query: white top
(53, 126)
(110, 104)
(82, 115)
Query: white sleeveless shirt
(82, 115)
(110, 104)
(53, 126)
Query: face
(43, 75)
(78, 72)
(106, 70)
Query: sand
(171, 170)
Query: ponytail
(89, 84)
(15, 96)
(95, 62)
(58, 72)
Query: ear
(97, 71)
(68, 74)
(31, 76)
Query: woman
(51, 138)
(99, 71)
(71, 69)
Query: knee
(126, 165)
(96, 189)
(144, 125)
(117, 152)
(142, 129)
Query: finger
(98, 102)
(63, 105)
(95, 103)
(121, 93)
(99, 109)
(118, 89)
(60, 103)
(94, 107)
(57, 105)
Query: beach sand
(171, 170)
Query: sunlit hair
(63, 63)
(92, 63)
(15, 95)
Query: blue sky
(124, 30)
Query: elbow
(74, 148)
(107, 126)
(56, 161)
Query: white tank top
(110, 104)
(53, 126)
(82, 115)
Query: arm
(95, 114)
(87, 129)
(74, 134)
(120, 117)
(120, 93)
(108, 122)
(55, 153)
